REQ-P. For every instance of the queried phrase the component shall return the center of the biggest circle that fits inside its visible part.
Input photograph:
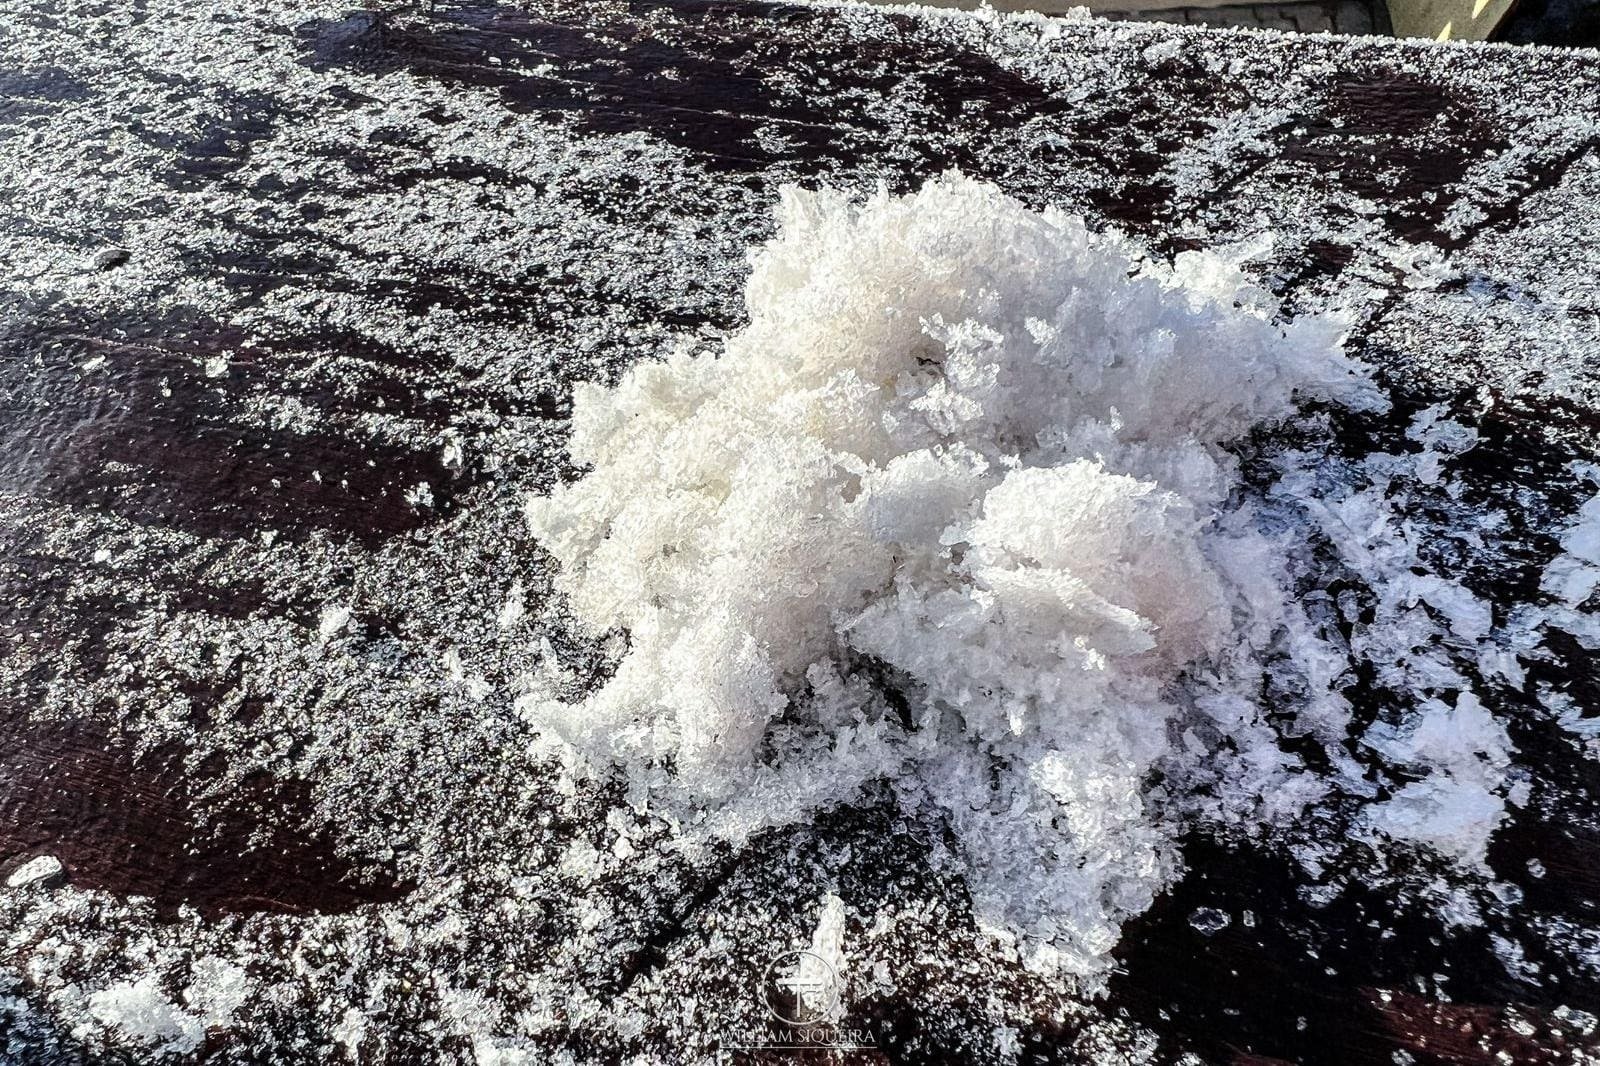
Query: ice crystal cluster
(959, 514)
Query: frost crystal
(1209, 921)
(1572, 577)
(1455, 808)
(957, 511)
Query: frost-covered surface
(295, 298)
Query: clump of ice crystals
(955, 513)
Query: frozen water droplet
(1209, 921)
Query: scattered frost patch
(961, 510)
(1441, 440)
(142, 1013)
(217, 990)
(139, 1011)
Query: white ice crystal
(334, 618)
(955, 511)
(1455, 808)
(1572, 577)
(351, 1031)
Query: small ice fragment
(216, 366)
(44, 869)
(350, 1031)
(454, 457)
(1209, 921)
(108, 258)
(333, 619)
(1535, 868)
(512, 610)
(1162, 52)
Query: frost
(515, 606)
(559, 274)
(142, 1013)
(217, 990)
(1441, 439)
(1572, 577)
(454, 454)
(827, 944)
(1163, 51)
(957, 512)
(487, 1053)
(351, 1031)
(334, 618)
(420, 495)
(1454, 809)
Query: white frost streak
(827, 944)
(971, 457)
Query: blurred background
(1561, 23)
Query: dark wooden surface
(263, 264)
